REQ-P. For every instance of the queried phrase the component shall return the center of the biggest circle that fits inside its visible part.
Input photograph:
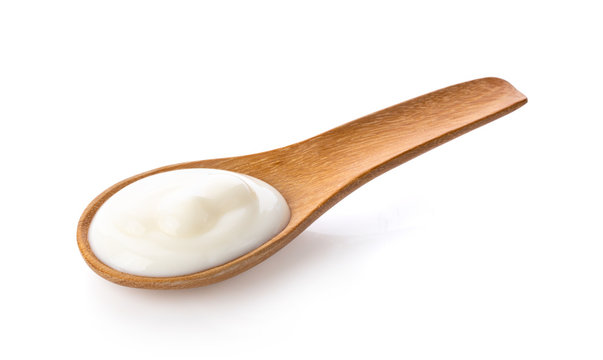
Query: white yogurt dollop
(183, 221)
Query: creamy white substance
(183, 221)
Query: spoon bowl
(315, 174)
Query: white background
(488, 247)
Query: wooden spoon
(313, 175)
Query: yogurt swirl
(184, 221)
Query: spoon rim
(199, 278)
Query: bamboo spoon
(313, 175)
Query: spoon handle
(360, 150)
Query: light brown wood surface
(313, 175)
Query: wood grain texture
(313, 175)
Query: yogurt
(184, 221)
